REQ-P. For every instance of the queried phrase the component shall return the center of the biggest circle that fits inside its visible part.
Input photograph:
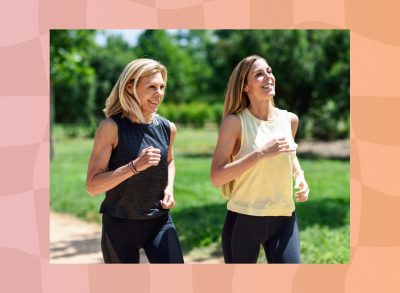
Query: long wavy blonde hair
(120, 100)
(236, 100)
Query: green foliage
(159, 45)
(194, 114)
(72, 77)
(325, 123)
(108, 63)
(66, 131)
(218, 109)
(311, 68)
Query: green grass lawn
(200, 209)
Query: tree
(71, 75)
(311, 69)
(108, 62)
(71, 78)
(160, 45)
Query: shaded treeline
(311, 69)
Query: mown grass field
(200, 209)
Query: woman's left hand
(303, 190)
(168, 201)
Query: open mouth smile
(153, 103)
(268, 86)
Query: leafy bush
(312, 69)
(65, 131)
(195, 114)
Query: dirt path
(75, 241)
(338, 149)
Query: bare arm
(168, 200)
(98, 179)
(300, 181)
(294, 123)
(222, 171)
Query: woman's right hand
(148, 157)
(275, 147)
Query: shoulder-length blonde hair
(120, 100)
(236, 100)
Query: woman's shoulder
(107, 131)
(232, 120)
(164, 123)
(161, 121)
(231, 124)
(107, 127)
(292, 117)
(116, 117)
(115, 121)
(159, 118)
(108, 124)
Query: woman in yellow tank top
(255, 162)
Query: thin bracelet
(132, 167)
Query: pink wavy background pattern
(24, 145)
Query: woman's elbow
(215, 179)
(91, 192)
(91, 189)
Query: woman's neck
(147, 118)
(263, 110)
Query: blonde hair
(120, 100)
(236, 100)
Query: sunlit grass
(200, 209)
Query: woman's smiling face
(150, 91)
(260, 80)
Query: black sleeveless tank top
(138, 197)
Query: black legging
(242, 236)
(122, 238)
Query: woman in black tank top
(132, 161)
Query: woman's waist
(262, 208)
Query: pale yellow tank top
(266, 188)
